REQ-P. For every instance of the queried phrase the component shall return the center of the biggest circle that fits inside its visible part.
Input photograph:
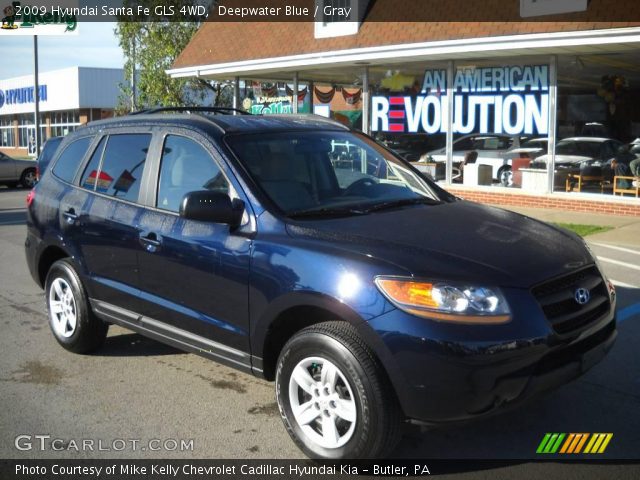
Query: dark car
(48, 150)
(369, 295)
(14, 172)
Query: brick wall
(625, 206)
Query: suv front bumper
(448, 373)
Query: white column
(236, 92)
(553, 120)
(366, 102)
(449, 145)
(294, 97)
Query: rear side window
(47, 153)
(186, 167)
(122, 166)
(90, 175)
(68, 163)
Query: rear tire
(72, 322)
(28, 178)
(333, 396)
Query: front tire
(333, 396)
(72, 322)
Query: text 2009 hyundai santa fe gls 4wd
(300, 251)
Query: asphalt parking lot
(135, 388)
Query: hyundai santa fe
(366, 292)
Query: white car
(571, 152)
(492, 150)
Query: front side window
(68, 163)
(122, 165)
(186, 166)
(329, 173)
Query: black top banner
(167, 469)
(325, 11)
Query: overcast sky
(94, 46)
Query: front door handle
(150, 241)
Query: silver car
(14, 172)
(492, 150)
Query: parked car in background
(583, 156)
(14, 172)
(412, 146)
(492, 150)
(533, 147)
(50, 147)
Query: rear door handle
(150, 241)
(70, 215)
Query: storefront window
(500, 119)
(263, 98)
(598, 122)
(7, 133)
(64, 122)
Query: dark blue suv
(298, 250)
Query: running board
(174, 336)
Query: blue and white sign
(511, 100)
(20, 96)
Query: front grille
(556, 297)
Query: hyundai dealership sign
(512, 100)
(22, 95)
(57, 90)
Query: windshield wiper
(402, 203)
(325, 212)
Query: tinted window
(300, 172)
(67, 164)
(464, 144)
(90, 174)
(186, 167)
(122, 165)
(46, 155)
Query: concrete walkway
(626, 230)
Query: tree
(152, 46)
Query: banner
(512, 100)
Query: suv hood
(460, 241)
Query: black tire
(505, 176)
(28, 178)
(378, 420)
(89, 332)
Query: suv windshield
(329, 173)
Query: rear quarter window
(67, 164)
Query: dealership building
(69, 98)
(489, 86)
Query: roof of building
(222, 42)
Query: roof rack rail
(217, 110)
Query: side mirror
(209, 206)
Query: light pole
(36, 95)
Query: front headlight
(446, 302)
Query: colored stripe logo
(574, 443)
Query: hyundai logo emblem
(582, 295)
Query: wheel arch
(48, 257)
(288, 315)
